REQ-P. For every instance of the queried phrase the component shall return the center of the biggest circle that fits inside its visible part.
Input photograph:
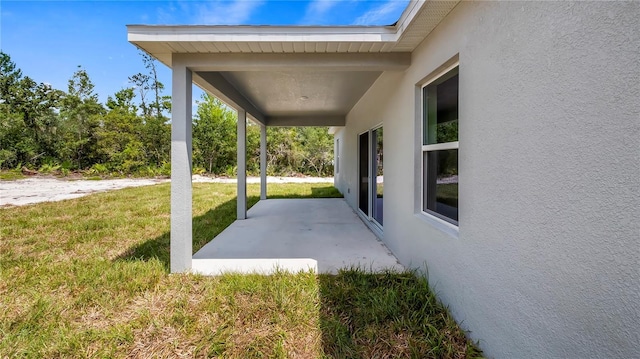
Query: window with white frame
(440, 146)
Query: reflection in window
(378, 184)
(441, 182)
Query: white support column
(263, 162)
(242, 164)
(181, 216)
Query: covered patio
(321, 235)
(275, 76)
(269, 89)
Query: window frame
(337, 156)
(424, 149)
(373, 171)
(371, 222)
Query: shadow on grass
(385, 315)
(205, 227)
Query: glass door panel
(363, 173)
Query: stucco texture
(546, 260)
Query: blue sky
(49, 39)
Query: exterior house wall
(546, 261)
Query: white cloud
(317, 10)
(380, 15)
(215, 12)
(165, 16)
(218, 12)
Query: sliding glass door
(371, 175)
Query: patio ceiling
(292, 76)
(298, 91)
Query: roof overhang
(292, 75)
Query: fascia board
(138, 33)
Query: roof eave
(177, 33)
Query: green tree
(10, 75)
(15, 147)
(253, 149)
(81, 115)
(214, 135)
(119, 138)
(123, 100)
(157, 141)
(317, 150)
(284, 155)
(160, 103)
(34, 105)
(36, 102)
(140, 83)
(157, 133)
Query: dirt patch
(47, 189)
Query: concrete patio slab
(322, 235)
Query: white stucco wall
(546, 263)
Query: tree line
(53, 131)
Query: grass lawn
(89, 278)
(10, 175)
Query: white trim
(440, 224)
(263, 162)
(440, 217)
(266, 266)
(223, 33)
(336, 157)
(441, 146)
(432, 216)
(438, 73)
(373, 177)
(408, 15)
(370, 180)
(373, 227)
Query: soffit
(289, 93)
(162, 41)
(426, 18)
